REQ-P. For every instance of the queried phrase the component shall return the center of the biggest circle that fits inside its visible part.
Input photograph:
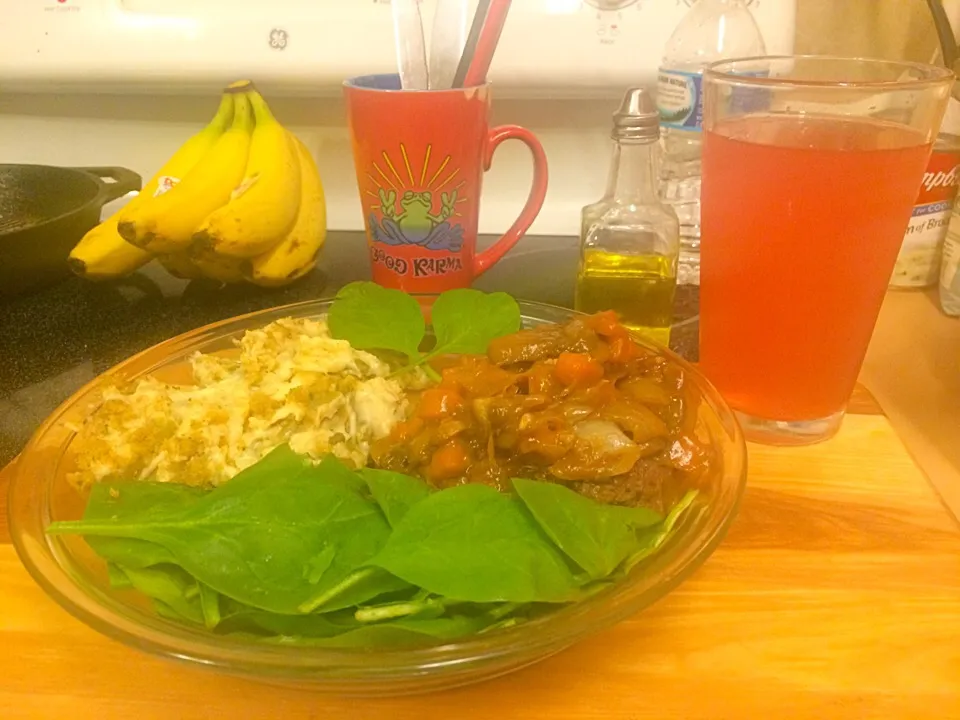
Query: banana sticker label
(164, 184)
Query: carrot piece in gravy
(623, 349)
(450, 460)
(577, 368)
(606, 324)
(439, 402)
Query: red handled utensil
(487, 43)
(447, 41)
(469, 49)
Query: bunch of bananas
(240, 201)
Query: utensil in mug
(447, 39)
(487, 43)
(470, 48)
(411, 46)
(420, 159)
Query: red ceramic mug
(420, 158)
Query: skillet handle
(123, 182)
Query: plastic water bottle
(711, 30)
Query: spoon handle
(446, 42)
(411, 47)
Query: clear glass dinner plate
(72, 575)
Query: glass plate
(74, 577)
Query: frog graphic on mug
(415, 223)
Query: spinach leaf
(333, 470)
(473, 543)
(168, 613)
(503, 624)
(372, 317)
(445, 628)
(115, 500)
(673, 517)
(254, 537)
(318, 626)
(312, 628)
(357, 588)
(130, 552)
(279, 462)
(394, 492)
(655, 536)
(374, 636)
(245, 619)
(419, 607)
(595, 536)
(171, 586)
(466, 320)
(117, 577)
(317, 566)
(406, 633)
(210, 606)
(638, 518)
(424, 606)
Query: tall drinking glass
(811, 166)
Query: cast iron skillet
(44, 211)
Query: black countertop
(55, 340)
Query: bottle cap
(637, 118)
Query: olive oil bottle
(629, 240)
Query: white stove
(123, 82)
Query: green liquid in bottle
(640, 288)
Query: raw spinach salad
(325, 555)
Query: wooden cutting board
(836, 595)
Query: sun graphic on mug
(416, 210)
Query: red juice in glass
(802, 220)
(810, 169)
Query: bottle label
(680, 99)
(918, 263)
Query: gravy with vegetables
(580, 404)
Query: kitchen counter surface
(913, 369)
